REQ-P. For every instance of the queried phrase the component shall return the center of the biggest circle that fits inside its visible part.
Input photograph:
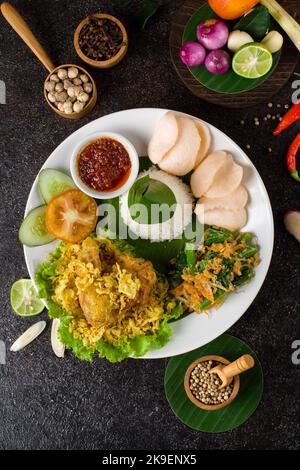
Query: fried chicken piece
(90, 252)
(97, 308)
(144, 271)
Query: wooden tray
(260, 94)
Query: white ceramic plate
(138, 125)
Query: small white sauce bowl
(134, 159)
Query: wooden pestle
(226, 373)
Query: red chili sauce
(104, 165)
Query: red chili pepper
(288, 119)
(291, 158)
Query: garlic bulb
(238, 39)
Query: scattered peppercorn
(206, 387)
(100, 38)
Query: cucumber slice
(53, 182)
(33, 230)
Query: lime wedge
(24, 300)
(252, 60)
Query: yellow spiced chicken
(109, 293)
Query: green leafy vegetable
(191, 258)
(81, 351)
(256, 23)
(55, 310)
(45, 273)
(225, 267)
(218, 235)
(248, 252)
(145, 11)
(246, 236)
(247, 275)
(220, 295)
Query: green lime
(252, 60)
(24, 300)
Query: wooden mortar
(198, 403)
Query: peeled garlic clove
(73, 72)
(59, 87)
(77, 89)
(292, 223)
(67, 107)
(67, 84)
(77, 81)
(84, 78)
(238, 39)
(273, 41)
(78, 107)
(62, 96)
(57, 346)
(83, 97)
(51, 97)
(30, 335)
(88, 87)
(71, 91)
(54, 78)
(62, 74)
(50, 86)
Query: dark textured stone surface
(47, 403)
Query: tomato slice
(71, 216)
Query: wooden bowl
(102, 64)
(91, 103)
(198, 403)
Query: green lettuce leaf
(118, 351)
(55, 310)
(44, 274)
(76, 345)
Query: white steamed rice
(171, 228)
